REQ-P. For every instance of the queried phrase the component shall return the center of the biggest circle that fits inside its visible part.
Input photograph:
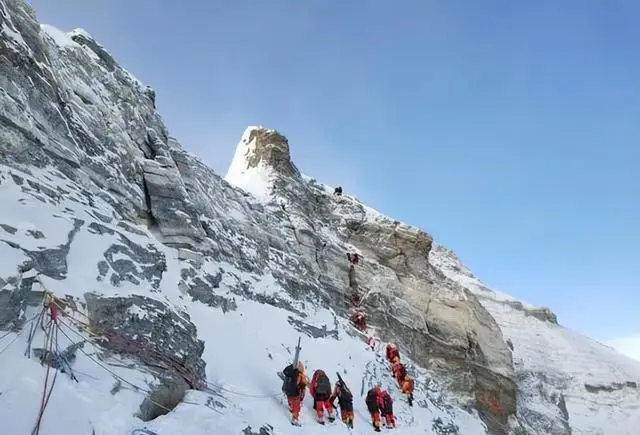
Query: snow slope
(244, 349)
(597, 385)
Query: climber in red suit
(320, 390)
(392, 352)
(374, 403)
(387, 409)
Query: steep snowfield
(244, 348)
(599, 385)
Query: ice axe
(297, 354)
(342, 382)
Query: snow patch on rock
(62, 39)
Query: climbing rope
(50, 343)
(18, 334)
(5, 334)
(238, 393)
(51, 336)
(85, 327)
(136, 388)
(136, 347)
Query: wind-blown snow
(61, 38)
(81, 32)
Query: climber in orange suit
(407, 388)
(400, 372)
(395, 365)
(293, 386)
(345, 401)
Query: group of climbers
(358, 317)
(378, 401)
(294, 384)
(405, 382)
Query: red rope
(139, 349)
(51, 334)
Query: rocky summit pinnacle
(261, 156)
(175, 279)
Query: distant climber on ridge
(392, 352)
(359, 320)
(355, 299)
(353, 258)
(293, 387)
(337, 191)
(345, 401)
(320, 389)
(374, 403)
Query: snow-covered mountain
(178, 294)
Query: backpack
(387, 403)
(287, 383)
(345, 395)
(402, 371)
(290, 381)
(323, 385)
(372, 401)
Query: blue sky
(508, 130)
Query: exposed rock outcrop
(150, 331)
(170, 209)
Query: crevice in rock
(147, 149)
(152, 222)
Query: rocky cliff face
(556, 369)
(442, 324)
(83, 148)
